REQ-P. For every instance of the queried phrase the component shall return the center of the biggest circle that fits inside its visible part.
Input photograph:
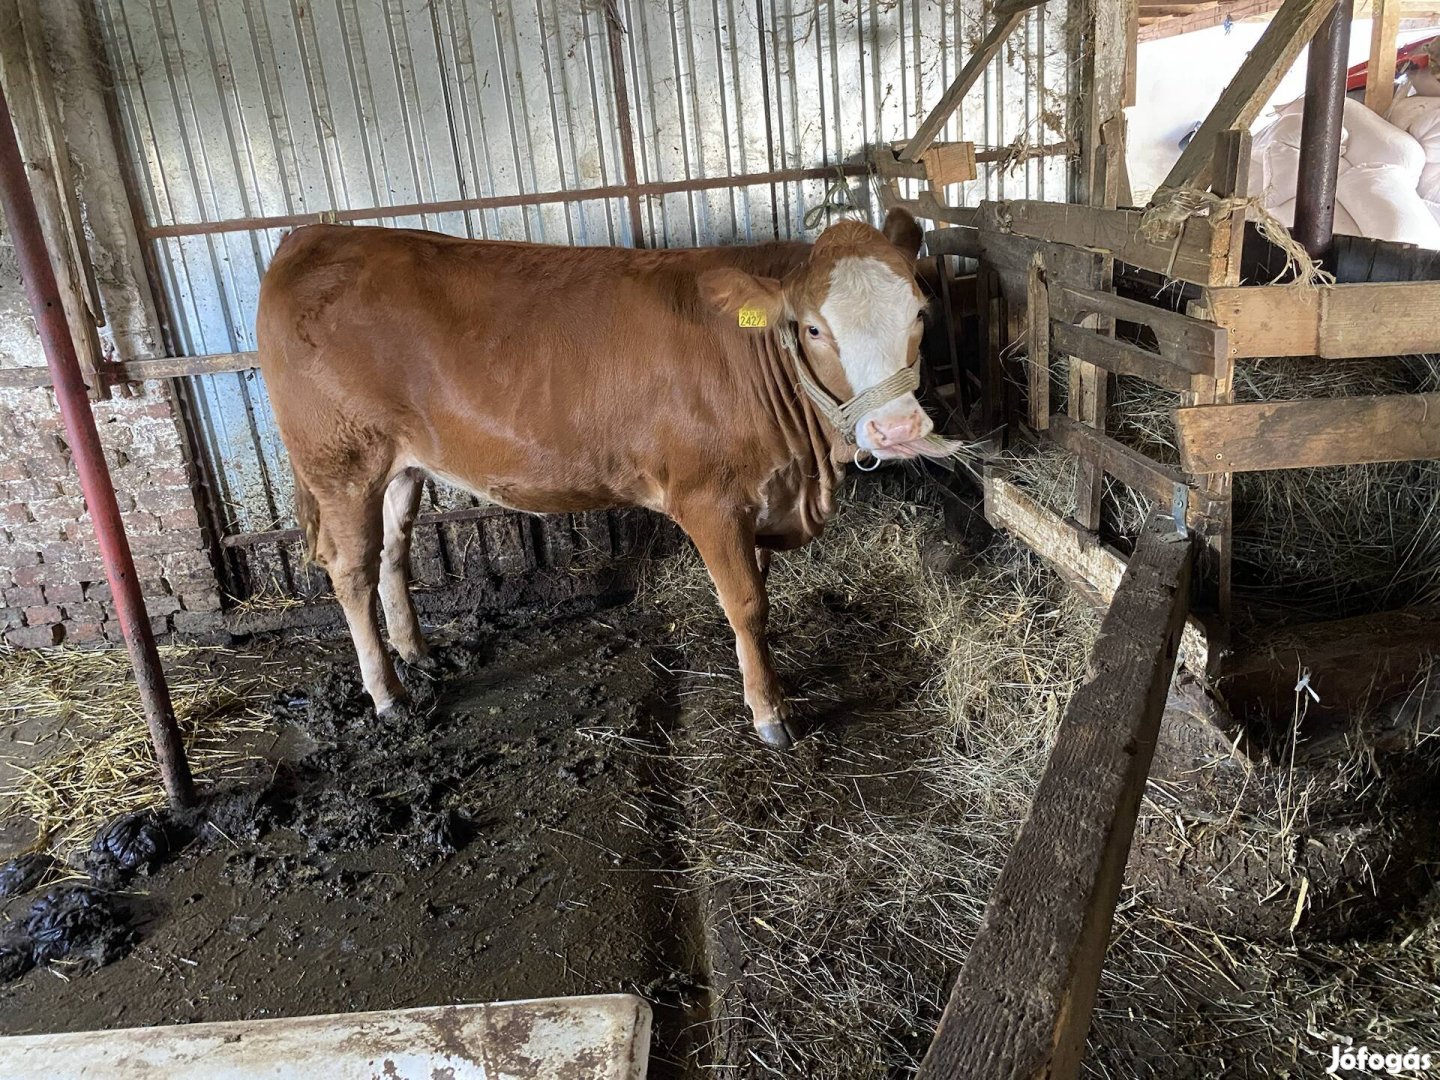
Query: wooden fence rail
(1021, 1007)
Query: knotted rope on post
(1164, 222)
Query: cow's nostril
(876, 433)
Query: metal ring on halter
(861, 450)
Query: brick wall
(52, 584)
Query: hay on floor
(846, 878)
(95, 760)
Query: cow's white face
(870, 323)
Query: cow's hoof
(396, 708)
(424, 663)
(780, 734)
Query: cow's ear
(901, 230)
(734, 292)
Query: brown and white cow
(554, 379)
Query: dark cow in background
(725, 387)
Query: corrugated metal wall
(237, 109)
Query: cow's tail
(307, 512)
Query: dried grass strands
(854, 870)
(99, 762)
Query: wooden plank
(962, 240)
(1037, 311)
(925, 205)
(1133, 468)
(1114, 233)
(1353, 663)
(1308, 434)
(469, 513)
(174, 367)
(1259, 74)
(163, 367)
(1122, 357)
(1021, 1006)
(1078, 556)
(1230, 173)
(1007, 18)
(1333, 322)
(949, 163)
(990, 301)
(1192, 343)
(1380, 71)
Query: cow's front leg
(727, 544)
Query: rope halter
(844, 416)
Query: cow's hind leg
(348, 547)
(402, 503)
(727, 544)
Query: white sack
(1420, 116)
(1373, 140)
(1385, 205)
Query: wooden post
(994, 325)
(1231, 169)
(1021, 1006)
(25, 65)
(1037, 308)
(1380, 71)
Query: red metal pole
(29, 242)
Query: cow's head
(858, 315)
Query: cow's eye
(814, 331)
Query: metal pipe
(18, 205)
(1325, 74)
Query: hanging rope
(838, 199)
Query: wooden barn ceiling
(1166, 19)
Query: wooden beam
(1308, 434)
(1331, 321)
(162, 367)
(1021, 1006)
(1353, 663)
(1007, 17)
(1159, 482)
(1116, 233)
(1132, 53)
(439, 517)
(1380, 71)
(1123, 357)
(1239, 105)
(1080, 557)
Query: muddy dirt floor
(576, 804)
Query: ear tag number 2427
(753, 318)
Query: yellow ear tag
(753, 317)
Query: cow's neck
(808, 436)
